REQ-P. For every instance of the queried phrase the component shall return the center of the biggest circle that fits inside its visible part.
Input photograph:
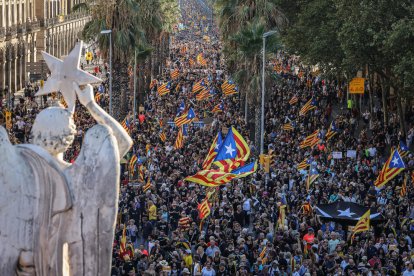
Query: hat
(186, 271)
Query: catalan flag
(363, 224)
(204, 94)
(163, 137)
(218, 108)
(204, 209)
(245, 170)
(229, 88)
(179, 142)
(306, 209)
(164, 88)
(141, 170)
(175, 74)
(212, 153)
(201, 60)
(303, 165)
(391, 169)
(210, 178)
(309, 140)
(234, 147)
(147, 186)
(294, 100)
(403, 191)
(186, 118)
(198, 86)
(98, 97)
(281, 217)
(311, 104)
(331, 131)
(287, 126)
(313, 174)
(263, 253)
(125, 124)
(122, 247)
(403, 149)
(132, 163)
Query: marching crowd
(243, 235)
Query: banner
(356, 86)
(337, 155)
(351, 153)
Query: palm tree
(136, 27)
(242, 24)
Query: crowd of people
(243, 235)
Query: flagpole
(135, 86)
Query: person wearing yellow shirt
(152, 211)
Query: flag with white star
(234, 148)
(391, 169)
(346, 212)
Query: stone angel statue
(58, 218)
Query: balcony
(21, 29)
(11, 31)
(32, 26)
(62, 19)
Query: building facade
(28, 27)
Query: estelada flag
(363, 224)
(391, 169)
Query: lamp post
(267, 34)
(110, 68)
(135, 86)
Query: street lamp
(110, 68)
(267, 34)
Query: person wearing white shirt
(208, 270)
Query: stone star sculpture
(64, 73)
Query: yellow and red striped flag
(164, 89)
(204, 209)
(282, 216)
(147, 186)
(212, 152)
(303, 165)
(218, 108)
(311, 104)
(175, 74)
(309, 140)
(294, 100)
(132, 163)
(391, 169)
(204, 94)
(403, 191)
(122, 246)
(141, 171)
(263, 252)
(287, 126)
(198, 86)
(179, 142)
(163, 137)
(363, 224)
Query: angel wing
(95, 184)
(17, 198)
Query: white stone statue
(46, 202)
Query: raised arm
(86, 98)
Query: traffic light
(267, 163)
(261, 159)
